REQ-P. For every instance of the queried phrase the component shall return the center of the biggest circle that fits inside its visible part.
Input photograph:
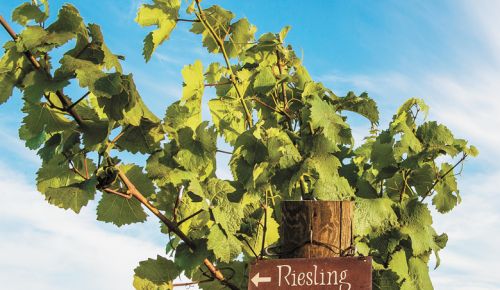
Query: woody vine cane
(131, 189)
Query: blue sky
(446, 52)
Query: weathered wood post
(316, 229)
(315, 251)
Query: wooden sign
(343, 273)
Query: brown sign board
(343, 273)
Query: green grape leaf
(444, 200)
(226, 213)
(108, 85)
(73, 196)
(26, 12)
(281, 150)
(228, 117)
(385, 280)
(322, 115)
(264, 81)
(409, 142)
(416, 222)
(37, 39)
(256, 234)
(111, 60)
(382, 154)
(328, 184)
(373, 216)
(415, 213)
(122, 211)
(7, 82)
(177, 117)
(399, 265)
(144, 138)
(363, 105)
(440, 242)
(414, 103)
(422, 179)
(242, 34)
(87, 72)
(37, 83)
(472, 151)
(301, 77)
(214, 73)
(193, 87)
(40, 119)
(198, 150)
(51, 145)
(384, 244)
(189, 261)
(219, 19)
(162, 169)
(156, 273)
(187, 111)
(119, 210)
(139, 179)
(419, 274)
(162, 14)
(95, 132)
(144, 284)
(433, 134)
(225, 247)
(68, 20)
(447, 194)
(422, 237)
(194, 209)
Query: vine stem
(172, 226)
(78, 101)
(116, 192)
(250, 247)
(277, 110)
(218, 40)
(131, 187)
(283, 89)
(303, 187)
(86, 167)
(190, 217)
(403, 188)
(65, 101)
(112, 143)
(176, 204)
(187, 20)
(443, 176)
(280, 69)
(264, 229)
(218, 84)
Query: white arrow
(257, 279)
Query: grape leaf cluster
(289, 135)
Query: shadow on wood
(313, 229)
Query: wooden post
(313, 229)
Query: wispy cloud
(15, 146)
(44, 247)
(467, 100)
(469, 261)
(482, 17)
(168, 59)
(468, 104)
